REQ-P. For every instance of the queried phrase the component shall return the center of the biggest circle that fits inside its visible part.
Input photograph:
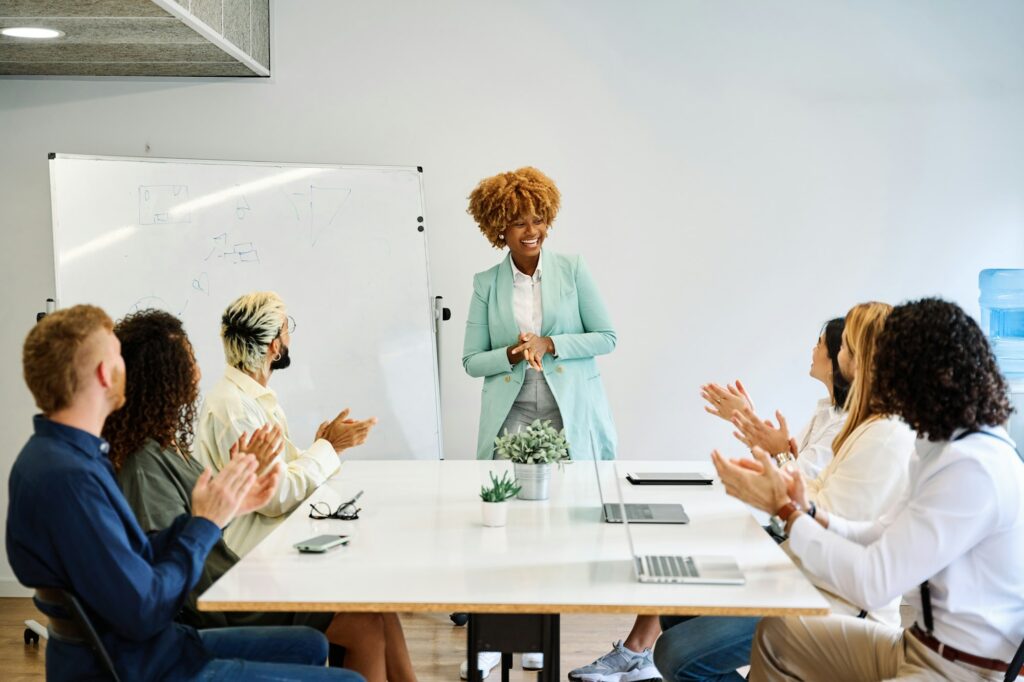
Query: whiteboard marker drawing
(158, 204)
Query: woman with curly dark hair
(951, 546)
(163, 407)
(151, 439)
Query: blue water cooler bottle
(1002, 319)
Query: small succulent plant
(501, 489)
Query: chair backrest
(69, 608)
(1016, 664)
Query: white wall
(734, 172)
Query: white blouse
(814, 445)
(526, 303)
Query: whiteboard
(344, 246)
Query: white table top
(419, 545)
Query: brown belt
(952, 654)
(65, 628)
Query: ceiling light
(31, 32)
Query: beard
(282, 362)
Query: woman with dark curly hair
(150, 440)
(952, 544)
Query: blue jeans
(269, 653)
(703, 647)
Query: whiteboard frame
(429, 302)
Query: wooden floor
(437, 647)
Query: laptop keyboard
(671, 566)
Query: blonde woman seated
(867, 474)
(951, 545)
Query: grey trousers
(535, 401)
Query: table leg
(514, 633)
(472, 652)
(552, 654)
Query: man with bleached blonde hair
(256, 331)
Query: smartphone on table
(666, 478)
(321, 543)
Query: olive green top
(158, 482)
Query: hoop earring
(277, 357)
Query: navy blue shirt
(69, 526)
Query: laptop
(699, 570)
(638, 513)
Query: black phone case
(677, 481)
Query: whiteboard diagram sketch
(340, 244)
(242, 207)
(318, 206)
(157, 204)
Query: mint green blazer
(577, 321)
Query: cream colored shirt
(236, 404)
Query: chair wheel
(31, 637)
(459, 619)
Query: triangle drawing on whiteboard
(325, 204)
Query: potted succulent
(533, 450)
(495, 499)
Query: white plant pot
(533, 479)
(495, 514)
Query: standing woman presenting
(535, 323)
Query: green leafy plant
(501, 489)
(538, 443)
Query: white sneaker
(486, 661)
(533, 661)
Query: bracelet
(787, 513)
(783, 458)
(787, 510)
(812, 509)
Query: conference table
(419, 545)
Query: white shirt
(814, 445)
(864, 480)
(526, 302)
(238, 403)
(960, 526)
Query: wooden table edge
(452, 607)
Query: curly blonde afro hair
(499, 200)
